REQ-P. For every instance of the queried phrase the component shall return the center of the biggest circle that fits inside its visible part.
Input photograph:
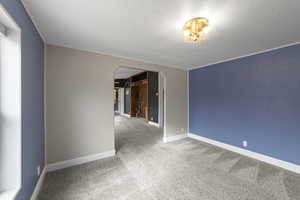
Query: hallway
(135, 133)
(145, 168)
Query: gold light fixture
(194, 30)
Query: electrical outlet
(245, 143)
(38, 170)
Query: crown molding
(119, 56)
(244, 56)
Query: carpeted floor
(147, 169)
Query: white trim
(35, 24)
(267, 159)
(164, 77)
(247, 55)
(174, 138)
(13, 34)
(79, 161)
(126, 115)
(159, 99)
(154, 124)
(121, 100)
(117, 56)
(38, 186)
(9, 194)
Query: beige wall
(79, 106)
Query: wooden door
(143, 99)
(134, 99)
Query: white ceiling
(123, 72)
(150, 30)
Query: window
(10, 106)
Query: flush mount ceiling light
(194, 30)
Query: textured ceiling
(151, 30)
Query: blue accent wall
(256, 98)
(32, 97)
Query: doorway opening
(139, 98)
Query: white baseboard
(267, 159)
(153, 123)
(174, 138)
(80, 160)
(38, 185)
(126, 115)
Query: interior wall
(116, 103)
(80, 101)
(127, 99)
(161, 100)
(121, 100)
(32, 113)
(153, 96)
(254, 99)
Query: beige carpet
(147, 169)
